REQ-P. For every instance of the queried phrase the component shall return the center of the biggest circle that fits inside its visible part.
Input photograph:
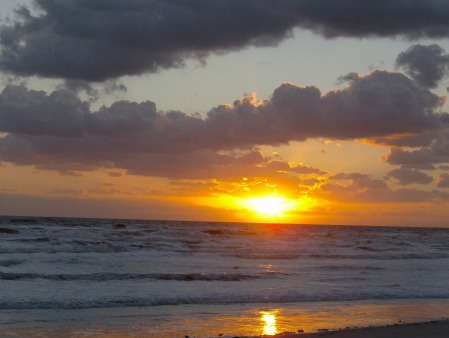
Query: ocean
(100, 277)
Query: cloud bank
(59, 131)
(106, 39)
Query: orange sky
(315, 196)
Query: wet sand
(433, 329)
(380, 319)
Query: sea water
(164, 278)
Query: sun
(273, 206)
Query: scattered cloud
(407, 176)
(359, 180)
(443, 180)
(72, 173)
(435, 153)
(94, 91)
(362, 188)
(115, 174)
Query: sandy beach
(433, 329)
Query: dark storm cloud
(104, 39)
(427, 65)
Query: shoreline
(429, 329)
(367, 319)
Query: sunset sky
(332, 111)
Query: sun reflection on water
(269, 318)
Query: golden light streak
(269, 318)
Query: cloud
(93, 91)
(65, 192)
(359, 180)
(427, 65)
(59, 131)
(74, 206)
(300, 168)
(437, 152)
(362, 188)
(192, 188)
(378, 104)
(105, 39)
(115, 174)
(403, 195)
(30, 112)
(404, 140)
(407, 176)
(443, 181)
